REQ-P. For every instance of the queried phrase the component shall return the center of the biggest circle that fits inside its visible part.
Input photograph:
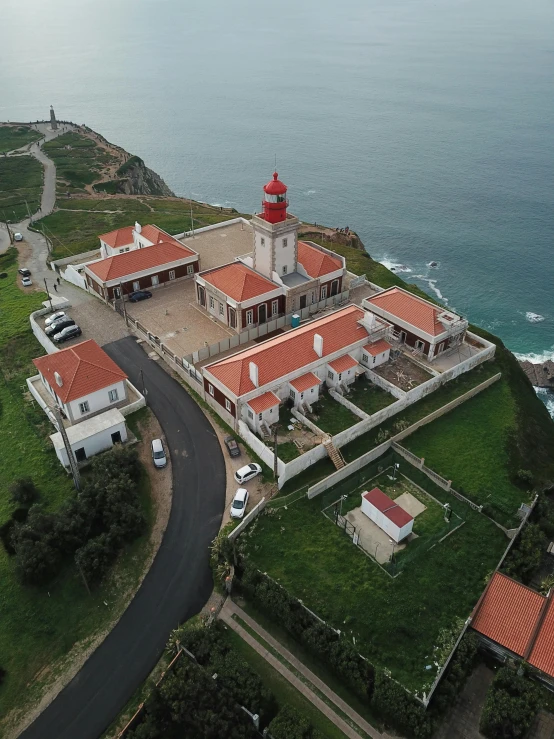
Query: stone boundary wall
(309, 424)
(72, 275)
(213, 227)
(385, 385)
(40, 336)
(75, 259)
(349, 469)
(254, 513)
(126, 410)
(257, 446)
(347, 404)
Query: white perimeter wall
(94, 444)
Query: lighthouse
(275, 233)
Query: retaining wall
(41, 337)
(132, 407)
(257, 446)
(254, 513)
(347, 404)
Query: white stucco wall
(309, 396)
(93, 444)
(97, 401)
(374, 361)
(285, 255)
(340, 378)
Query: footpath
(231, 609)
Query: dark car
(232, 447)
(70, 332)
(24, 272)
(139, 295)
(58, 326)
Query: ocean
(424, 125)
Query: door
(303, 300)
(262, 313)
(80, 454)
(334, 287)
(403, 336)
(116, 437)
(202, 296)
(232, 318)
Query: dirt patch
(65, 669)
(403, 373)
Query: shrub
(399, 709)
(525, 477)
(3, 674)
(526, 555)
(24, 492)
(511, 705)
(290, 724)
(460, 667)
(95, 557)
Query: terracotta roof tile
(542, 654)
(291, 351)
(317, 263)
(264, 402)
(343, 363)
(305, 382)
(119, 237)
(411, 309)
(84, 368)
(138, 260)
(239, 282)
(378, 347)
(508, 614)
(388, 507)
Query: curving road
(179, 581)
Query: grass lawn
(79, 161)
(14, 137)
(368, 397)
(20, 186)
(470, 447)
(330, 416)
(395, 622)
(287, 451)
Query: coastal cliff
(540, 375)
(133, 177)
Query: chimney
(318, 345)
(58, 379)
(253, 368)
(138, 227)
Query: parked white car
(55, 317)
(26, 281)
(247, 472)
(238, 506)
(158, 453)
(18, 237)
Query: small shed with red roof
(388, 515)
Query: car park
(139, 295)
(26, 281)
(55, 317)
(24, 272)
(18, 237)
(59, 325)
(238, 506)
(232, 446)
(70, 332)
(247, 472)
(158, 453)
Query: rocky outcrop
(135, 178)
(541, 375)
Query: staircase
(334, 454)
(265, 430)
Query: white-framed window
(259, 416)
(84, 407)
(221, 309)
(228, 404)
(212, 302)
(285, 242)
(324, 292)
(271, 410)
(121, 251)
(301, 396)
(365, 358)
(330, 375)
(274, 307)
(171, 274)
(117, 292)
(262, 241)
(211, 389)
(250, 414)
(284, 269)
(313, 297)
(113, 396)
(249, 317)
(190, 269)
(312, 390)
(340, 376)
(127, 248)
(292, 394)
(420, 344)
(136, 285)
(155, 280)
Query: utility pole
(49, 296)
(123, 303)
(84, 578)
(71, 457)
(143, 387)
(8, 229)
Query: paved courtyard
(222, 245)
(462, 721)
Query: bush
(511, 705)
(397, 708)
(460, 667)
(94, 558)
(3, 674)
(525, 477)
(290, 724)
(24, 492)
(526, 555)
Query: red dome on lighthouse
(274, 204)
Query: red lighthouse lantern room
(274, 204)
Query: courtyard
(403, 372)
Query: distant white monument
(53, 121)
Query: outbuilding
(388, 515)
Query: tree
(511, 705)
(24, 492)
(37, 561)
(94, 558)
(290, 724)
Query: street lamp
(395, 468)
(342, 497)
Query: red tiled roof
(542, 654)
(264, 402)
(411, 309)
(305, 382)
(84, 368)
(317, 263)
(139, 260)
(508, 614)
(119, 237)
(378, 347)
(388, 507)
(239, 282)
(343, 363)
(291, 351)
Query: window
(250, 414)
(340, 376)
(262, 241)
(113, 396)
(330, 375)
(117, 292)
(232, 318)
(84, 407)
(301, 396)
(228, 404)
(121, 251)
(313, 297)
(312, 390)
(155, 280)
(259, 416)
(292, 394)
(285, 242)
(171, 274)
(324, 292)
(274, 307)
(126, 248)
(271, 410)
(420, 344)
(190, 269)
(211, 389)
(249, 317)
(212, 303)
(365, 358)
(284, 269)
(221, 309)
(136, 285)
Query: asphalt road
(179, 582)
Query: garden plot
(293, 438)
(403, 372)
(330, 416)
(368, 397)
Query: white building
(388, 515)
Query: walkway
(179, 581)
(230, 608)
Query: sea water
(425, 125)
